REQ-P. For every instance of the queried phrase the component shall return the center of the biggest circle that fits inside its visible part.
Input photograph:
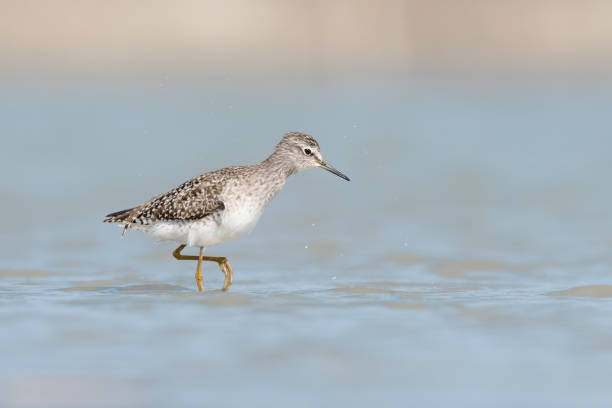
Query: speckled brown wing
(193, 200)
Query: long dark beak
(331, 169)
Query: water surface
(466, 263)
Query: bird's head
(304, 153)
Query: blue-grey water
(467, 263)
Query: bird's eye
(307, 151)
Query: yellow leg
(198, 275)
(224, 265)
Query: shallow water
(467, 263)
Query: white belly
(234, 224)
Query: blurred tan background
(467, 263)
(357, 37)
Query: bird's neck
(275, 170)
(277, 165)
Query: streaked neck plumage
(279, 163)
(273, 173)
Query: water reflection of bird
(222, 205)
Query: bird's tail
(119, 216)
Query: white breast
(239, 221)
(236, 221)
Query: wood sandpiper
(222, 205)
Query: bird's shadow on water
(149, 288)
(209, 297)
